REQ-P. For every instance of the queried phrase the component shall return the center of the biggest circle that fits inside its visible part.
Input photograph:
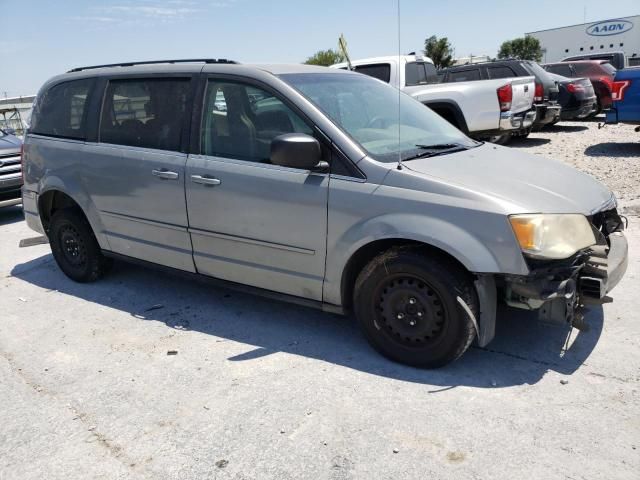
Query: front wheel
(416, 307)
(75, 248)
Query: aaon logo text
(610, 27)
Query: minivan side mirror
(296, 150)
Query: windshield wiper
(437, 149)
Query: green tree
(439, 50)
(524, 48)
(325, 58)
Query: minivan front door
(136, 173)
(252, 222)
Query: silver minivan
(319, 186)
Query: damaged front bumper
(562, 290)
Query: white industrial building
(614, 35)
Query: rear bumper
(580, 111)
(546, 114)
(510, 121)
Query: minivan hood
(532, 183)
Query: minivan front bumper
(561, 292)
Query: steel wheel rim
(72, 246)
(410, 311)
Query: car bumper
(546, 114)
(30, 208)
(561, 291)
(10, 190)
(617, 260)
(581, 111)
(510, 121)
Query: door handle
(165, 174)
(205, 180)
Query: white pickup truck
(491, 110)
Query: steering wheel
(377, 119)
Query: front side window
(464, 75)
(146, 113)
(387, 125)
(61, 112)
(240, 121)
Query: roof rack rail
(153, 62)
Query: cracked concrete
(265, 390)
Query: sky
(42, 38)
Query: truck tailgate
(523, 91)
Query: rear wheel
(413, 307)
(75, 248)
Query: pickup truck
(545, 99)
(626, 97)
(487, 110)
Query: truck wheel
(408, 304)
(75, 248)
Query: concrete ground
(263, 390)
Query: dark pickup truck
(10, 169)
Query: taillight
(505, 96)
(607, 81)
(573, 88)
(618, 88)
(537, 97)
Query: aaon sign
(609, 27)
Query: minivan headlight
(552, 236)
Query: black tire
(75, 248)
(395, 286)
(500, 139)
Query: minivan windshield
(367, 110)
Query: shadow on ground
(523, 351)
(558, 127)
(9, 215)
(614, 149)
(528, 142)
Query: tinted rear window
(562, 69)
(61, 112)
(609, 68)
(381, 71)
(536, 70)
(501, 72)
(420, 73)
(464, 75)
(145, 112)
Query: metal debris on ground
(157, 306)
(172, 352)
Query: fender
(470, 251)
(450, 106)
(78, 195)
